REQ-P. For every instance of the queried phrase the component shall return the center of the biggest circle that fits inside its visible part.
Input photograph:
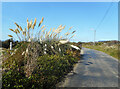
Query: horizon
(78, 41)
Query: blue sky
(83, 16)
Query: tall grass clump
(40, 59)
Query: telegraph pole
(94, 36)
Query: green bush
(50, 70)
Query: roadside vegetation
(108, 47)
(40, 59)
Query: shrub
(39, 60)
(49, 70)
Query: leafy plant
(49, 70)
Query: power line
(104, 15)
(102, 21)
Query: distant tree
(0, 43)
(6, 43)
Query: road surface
(95, 69)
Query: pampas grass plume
(10, 35)
(16, 24)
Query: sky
(82, 16)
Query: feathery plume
(27, 20)
(42, 19)
(12, 30)
(66, 33)
(73, 32)
(35, 22)
(20, 28)
(55, 35)
(53, 30)
(60, 30)
(10, 35)
(16, 24)
(60, 26)
(42, 27)
(70, 28)
(28, 25)
(41, 22)
(24, 33)
(51, 34)
(17, 30)
(64, 27)
(72, 36)
(31, 23)
(32, 26)
(49, 31)
(25, 29)
(57, 30)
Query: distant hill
(109, 43)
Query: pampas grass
(28, 24)
(12, 30)
(42, 27)
(34, 22)
(10, 35)
(70, 28)
(72, 36)
(41, 22)
(43, 30)
(17, 30)
(16, 24)
(31, 24)
(73, 32)
(20, 28)
(42, 33)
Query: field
(111, 50)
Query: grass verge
(108, 50)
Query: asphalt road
(95, 69)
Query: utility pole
(94, 35)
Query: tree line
(6, 43)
